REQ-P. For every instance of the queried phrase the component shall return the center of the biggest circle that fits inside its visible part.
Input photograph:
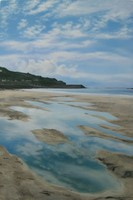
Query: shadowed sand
(17, 182)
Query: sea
(90, 91)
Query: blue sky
(88, 42)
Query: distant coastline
(13, 87)
(18, 80)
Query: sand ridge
(50, 136)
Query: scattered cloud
(30, 5)
(114, 9)
(33, 31)
(123, 34)
(68, 39)
(7, 11)
(39, 7)
(22, 24)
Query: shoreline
(58, 90)
(117, 106)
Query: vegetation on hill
(13, 80)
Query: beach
(17, 181)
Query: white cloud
(115, 8)
(7, 11)
(15, 45)
(69, 30)
(67, 36)
(105, 11)
(22, 24)
(56, 66)
(33, 31)
(42, 7)
(63, 51)
(98, 58)
(123, 34)
(31, 4)
(72, 39)
(45, 66)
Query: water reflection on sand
(71, 164)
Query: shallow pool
(71, 164)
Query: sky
(87, 42)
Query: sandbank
(96, 133)
(50, 136)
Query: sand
(50, 136)
(18, 182)
(96, 133)
(122, 167)
(119, 106)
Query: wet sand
(18, 182)
(119, 106)
(50, 136)
(122, 167)
(95, 133)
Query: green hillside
(11, 80)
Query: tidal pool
(71, 164)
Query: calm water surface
(90, 91)
(73, 164)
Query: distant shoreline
(19, 80)
(7, 87)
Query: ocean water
(89, 91)
(72, 164)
